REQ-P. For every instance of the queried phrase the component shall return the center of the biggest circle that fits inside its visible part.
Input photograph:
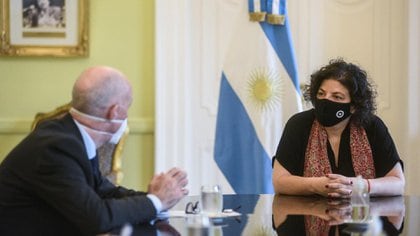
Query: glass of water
(211, 199)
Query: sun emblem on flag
(265, 88)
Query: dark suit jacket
(47, 187)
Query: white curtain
(189, 46)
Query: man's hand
(169, 187)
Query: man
(48, 185)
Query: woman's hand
(339, 186)
(330, 185)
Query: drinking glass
(211, 199)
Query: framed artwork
(44, 28)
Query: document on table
(182, 214)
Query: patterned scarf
(317, 164)
(316, 157)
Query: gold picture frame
(44, 28)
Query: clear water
(212, 202)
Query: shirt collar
(87, 140)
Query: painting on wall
(44, 28)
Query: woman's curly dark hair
(362, 92)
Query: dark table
(268, 214)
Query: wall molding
(138, 126)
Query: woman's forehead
(333, 85)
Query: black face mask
(330, 113)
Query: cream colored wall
(122, 36)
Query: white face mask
(115, 137)
(119, 133)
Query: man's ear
(113, 112)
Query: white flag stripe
(276, 7)
(268, 126)
(257, 5)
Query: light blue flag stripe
(238, 152)
(280, 38)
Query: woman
(323, 149)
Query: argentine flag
(259, 91)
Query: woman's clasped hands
(336, 186)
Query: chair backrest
(109, 154)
